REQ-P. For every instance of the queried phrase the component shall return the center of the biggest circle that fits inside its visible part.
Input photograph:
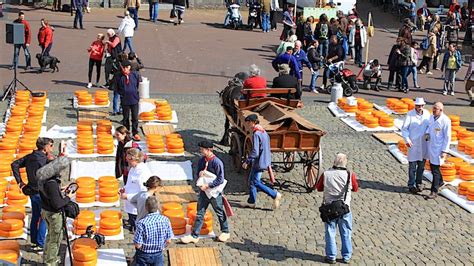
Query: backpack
(324, 30)
(425, 43)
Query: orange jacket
(45, 36)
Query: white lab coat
(136, 177)
(439, 137)
(413, 131)
(127, 27)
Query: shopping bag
(227, 208)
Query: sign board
(316, 12)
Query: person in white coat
(127, 28)
(137, 176)
(438, 136)
(413, 130)
(357, 41)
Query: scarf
(258, 128)
(209, 158)
(127, 78)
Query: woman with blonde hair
(152, 184)
(96, 51)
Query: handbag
(28, 191)
(227, 208)
(71, 209)
(335, 209)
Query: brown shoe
(433, 195)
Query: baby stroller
(339, 74)
(234, 19)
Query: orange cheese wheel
(155, 145)
(10, 245)
(204, 231)
(468, 170)
(9, 255)
(109, 151)
(84, 254)
(161, 102)
(108, 192)
(448, 178)
(177, 223)
(150, 150)
(84, 223)
(7, 146)
(84, 263)
(84, 243)
(110, 184)
(13, 233)
(16, 195)
(206, 223)
(387, 124)
(85, 192)
(191, 206)
(165, 118)
(11, 224)
(110, 232)
(17, 202)
(171, 206)
(86, 215)
(14, 208)
(86, 151)
(110, 223)
(85, 199)
(467, 177)
(109, 199)
(174, 146)
(174, 213)
(179, 231)
(447, 165)
(101, 102)
(107, 178)
(372, 125)
(192, 215)
(176, 150)
(111, 214)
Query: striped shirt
(152, 233)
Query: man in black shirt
(32, 162)
(285, 80)
(335, 54)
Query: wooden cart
(290, 134)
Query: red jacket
(256, 82)
(45, 36)
(97, 50)
(27, 30)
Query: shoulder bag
(337, 208)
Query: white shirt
(136, 177)
(439, 131)
(413, 131)
(127, 27)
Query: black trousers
(425, 62)
(273, 20)
(127, 109)
(394, 74)
(97, 64)
(437, 178)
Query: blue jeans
(265, 22)
(345, 230)
(314, 78)
(358, 54)
(37, 224)
(255, 181)
(437, 178)
(405, 71)
(134, 14)
(78, 17)
(153, 11)
(45, 50)
(217, 205)
(412, 70)
(16, 54)
(323, 47)
(415, 172)
(128, 42)
(141, 258)
(116, 105)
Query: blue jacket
(458, 57)
(286, 58)
(214, 166)
(302, 59)
(78, 3)
(129, 92)
(260, 156)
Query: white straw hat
(419, 101)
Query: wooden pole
(369, 21)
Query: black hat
(206, 144)
(252, 117)
(125, 63)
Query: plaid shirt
(152, 232)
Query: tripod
(12, 87)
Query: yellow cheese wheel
(16, 195)
(11, 224)
(9, 255)
(110, 232)
(85, 199)
(110, 223)
(10, 245)
(14, 208)
(85, 192)
(84, 254)
(171, 206)
(86, 215)
(84, 243)
(109, 199)
(17, 201)
(108, 192)
(111, 214)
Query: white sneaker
(314, 91)
(452, 93)
(429, 73)
(445, 93)
(223, 237)
(89, 85)
(189, 239)
(276, 201)
(249, 205)
(421, 71)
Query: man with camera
(25, 45)
(337, 184)
(32, 162)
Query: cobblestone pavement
(390, 225)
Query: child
(452, 62)
(414, 60)
(152, 184)
(96, 51)
(372, 70)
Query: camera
(99, 238)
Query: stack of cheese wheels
(454, 135)
(463, 186)
(458, 163)
(462, 144)
(371, 122)
(3, 189)
(84, 242)
(386, 121)
(360, 115)
(147, 116)
(14, 208)
(466, 135)
(84, 256)
(16, 197)
(470, 194)
(22, 97)
(341, 102)
(13, 215)
(207, 224)
(390, 102)
(10, 251)
(163, 110)
(83, 220)
(11, 228)
(350, 108)
(174, 143)
(110, 223)
(104, 126)
(5, 169)
(174, 211)
(402, 147)
(105, 143)
(108, 189)
(101, 97)
(448, 172)
(467, 172)
(469, 148)
(155, 143)
(83, 97)
(191, 206)
(410, 102)
(41, 101)
(27, 144)
(86, 191)
(364, 105)
(85, 141)
(400, 107)
(8, 146)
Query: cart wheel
(312, 165)
(289, 161)
(235, 151)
